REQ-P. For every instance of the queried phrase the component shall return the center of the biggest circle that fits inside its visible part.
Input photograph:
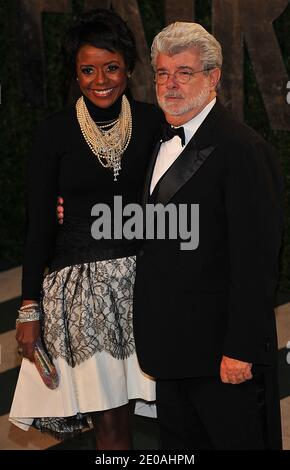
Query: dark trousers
(204, 413)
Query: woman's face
(102, 75)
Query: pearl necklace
(107, 144)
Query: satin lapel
(148, 176)
(194, 155)
(184, 167)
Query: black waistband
(75, 245)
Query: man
(204, 318)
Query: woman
(88, 153)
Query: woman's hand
(27, 334)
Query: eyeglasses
(180, 76)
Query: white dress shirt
(170, 150)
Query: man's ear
(215, 76)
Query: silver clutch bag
(45, 367)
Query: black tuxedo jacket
(193, 307)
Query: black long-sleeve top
(61, 163)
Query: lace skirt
(88, 331)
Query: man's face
(181, 102)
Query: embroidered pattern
(63, 428)
(87, 308)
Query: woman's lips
(102, 93)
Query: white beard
(177, 109)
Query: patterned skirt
(88, 332)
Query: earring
(129, 75)
(77, 79)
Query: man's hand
(233, 371)
(60, 210)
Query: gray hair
(179, 36)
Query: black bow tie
(169, 132)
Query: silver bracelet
(26, 320)
(20, 320)
(35, 314)
(28, 314)
(24, 307)
(29, 308)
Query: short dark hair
(103, 29)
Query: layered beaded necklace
(107, 142)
